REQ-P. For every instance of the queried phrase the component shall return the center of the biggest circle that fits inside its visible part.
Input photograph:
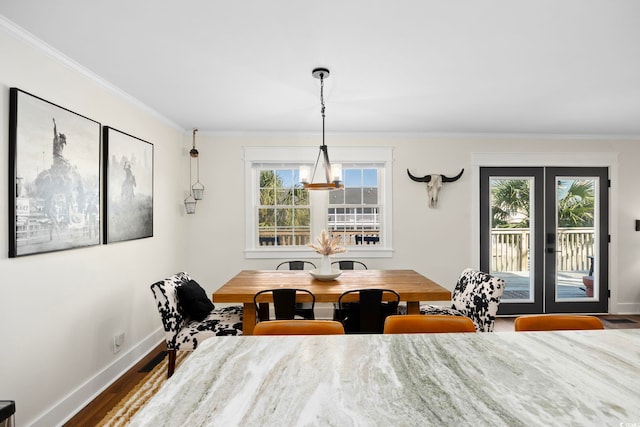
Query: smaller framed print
(54, 177)
(128, 185)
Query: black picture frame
(54, 177)
(128, 186)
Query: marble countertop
(583, 378)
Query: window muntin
(284, 216)
(355, 211)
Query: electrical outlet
(117, 342)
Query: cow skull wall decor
(434, 183)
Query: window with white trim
(355, 212)
(282, 217)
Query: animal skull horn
(434, 183)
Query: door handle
(551, 241)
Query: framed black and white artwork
(128, 191)
(54, 177)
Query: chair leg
(263, 311)
(172, 363)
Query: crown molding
(33, 41)
(425, 135)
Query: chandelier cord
(190, 180)
(322, 104)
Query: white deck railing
(510, 249)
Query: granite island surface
(585, 378)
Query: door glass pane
(511, 237)
(576, 238)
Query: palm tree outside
(511, 218)
(576, 205)
(510, 203)
(283, 216)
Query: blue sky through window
(289, 177)
(360, 177)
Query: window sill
(307, 253)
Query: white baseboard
(625, 308)
(66, 408)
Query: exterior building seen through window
(354, 212)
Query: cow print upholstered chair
(477, 296)
(182, 330)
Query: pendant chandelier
(196, 191)
(333, 173)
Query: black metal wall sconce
(196, 190)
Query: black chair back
(285, 306)
(349, 264)
(296, 265)
(367, 315)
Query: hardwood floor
(95, 411)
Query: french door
(544, 230)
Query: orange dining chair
(299, 327)
(424, 323)
(556, 322)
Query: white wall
(59, 311)
(438, 242)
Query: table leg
(248, 318)
(413, 307)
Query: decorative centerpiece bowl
(325, 277)
(326, 247)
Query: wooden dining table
(412, 286)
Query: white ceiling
(560, 67)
